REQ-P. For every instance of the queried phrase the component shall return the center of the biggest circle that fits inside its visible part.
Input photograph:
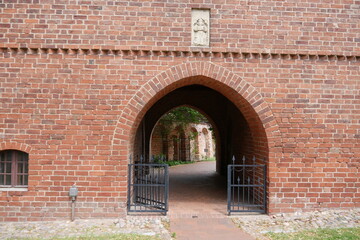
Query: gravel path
(150, 226)
(257, 225)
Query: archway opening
(182, 135)
(237, 136)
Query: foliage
(209, 159)
(319, 234)
(159, 158)
(193, 135)
(181, 116)
(174, 162)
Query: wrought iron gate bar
(246, 187)
(148, 185)
(248, 165)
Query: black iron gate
(148, 185)
(246, 187)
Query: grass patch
(178, 162)
(175, 162)
(166, 225)
(117, 236)
(319, 234)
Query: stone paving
(258, 225)
(149, 226)
(207, 229)
(197, 205)
(196, 190)
(255, 225)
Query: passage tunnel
(234, 137)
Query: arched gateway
(251, 129)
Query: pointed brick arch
(241, 93)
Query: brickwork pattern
(76, 79)
(304, 26)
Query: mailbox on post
(73, 193)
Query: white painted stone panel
(200, 27)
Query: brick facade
(77, 78)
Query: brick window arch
(14, 168)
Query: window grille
(14, 168)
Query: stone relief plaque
(200, 27)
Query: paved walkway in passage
(207, 229)
(197, 204)
(197, 190)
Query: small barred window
(14, 168)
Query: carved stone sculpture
(200, 29)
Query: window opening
(14, 168)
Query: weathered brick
(76, 81)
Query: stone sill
(13, 189)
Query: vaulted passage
(238, 133)
(234, 136)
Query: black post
(229, 189)
(264, 186)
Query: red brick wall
(76, 79)
(267, 25)
(156, 142)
